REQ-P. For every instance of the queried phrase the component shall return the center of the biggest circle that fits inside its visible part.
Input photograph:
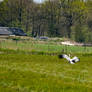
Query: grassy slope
(37, 73)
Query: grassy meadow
(21, 71)
(50, 46)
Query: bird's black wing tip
(60, 56)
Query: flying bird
(71, 61)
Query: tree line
(54, 18)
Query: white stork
(72, 61)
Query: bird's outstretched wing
(75, 59)
(66, 57)
(72, 61)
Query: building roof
(4, 31)
(11, 31)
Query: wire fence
(43, 46)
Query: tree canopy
(53, 18)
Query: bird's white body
(73, 60)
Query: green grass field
(43, 46)
(21, 72)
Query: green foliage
(16, 39)
(53, 18)
(81, 33)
